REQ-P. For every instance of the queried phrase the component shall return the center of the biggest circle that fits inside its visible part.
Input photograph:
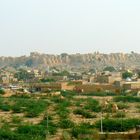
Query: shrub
(87, 125)
(63, 112)
(78, 130)
(127, 74)
(100, 94)
(11, 135)
(17, 109)
(131, 99)
(7, 135)
(79, 102)
(68, 94)
(138, 106)
(108, 109)
(109, 68)
(56, 99)
(23, 96)
(118, 125)
(34, 130)
(5, 104)
(2, 91)
(121, 105)
(66, 123)
(49, 125)
(47, 80)
(84, 113)
(16, 119)
(5, 107)
(93, 105)
(66, 135)
(120, 115)
(32, 107)
(64, 103)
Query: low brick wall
(120, 136)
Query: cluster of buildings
(43, 81)
(7, 77)
(100, 82)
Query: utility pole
(47, 125)
(47, 121)
(101, 122)
(121, 121)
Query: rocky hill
(91, 60)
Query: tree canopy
(127, 74)
(109, 68)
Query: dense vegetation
(118, 125)
(109, 68)
(37, 117)
(2, 91)
(127, 74)
(131, 99)
(31, 107)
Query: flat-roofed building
(52, 86)
(108, 77)
(131, 85)
(87, 88)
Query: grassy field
(41, 117)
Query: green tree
(23, 75)
(2, 91)
(109, 68)
(127, 74)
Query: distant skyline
(69, 26)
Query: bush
(23, 96)
(108, 109)
(5, 107)
(5, 104)
(109, 68)
(52, 128)
(66, 124)
(66, 135)
(32, 107)
(2, 91)
(87, 125)
(78, 130)
(131, 99)
(122, 105)
(93, 105)
(120, 115)
(138, 106)
(47, 80)
(68, 94)
(16, 119)
(49, 125)
(127, 74)
(79, 102)
(56, 99)
(63, 112)
(83, 113)
(118, 125)
(64, 103)
(8, 135)
(17, 109)
(11, 135)
(35, 130)
(100, 94)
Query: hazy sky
(56, 26)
